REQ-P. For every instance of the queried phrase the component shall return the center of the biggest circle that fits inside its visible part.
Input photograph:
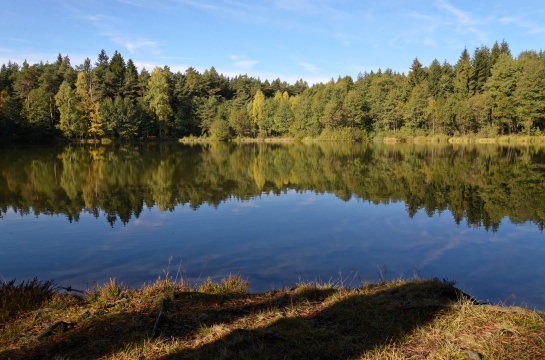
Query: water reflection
(275, 213)
(480, 185)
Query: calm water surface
(278, 214)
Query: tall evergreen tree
(417, 73)
(480, 69)
(462, 76)
(434, 79)
(130, 81)
(117, 72)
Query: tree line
(474, 183)
(487, 93)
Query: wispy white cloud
(291, 77)
(173, 67)
(199, 4)
(429, 23)
(464, 21)
(531, 26)
(310, 7)
(309, 67)
(301, 6)
(19, 56)
(99, 19)
(308, 201)
(240, 4)
(462, 17)
(246, 64)
(132, 45)
(110, 27)
(244, 207)
(242, 62)
(343, 38)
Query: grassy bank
(518, 140)
(167, 320)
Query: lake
(277, 215)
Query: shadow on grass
(115, 329)
(351, 326)
(347, 329)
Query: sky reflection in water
(276, 241)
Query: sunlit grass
(391, 320)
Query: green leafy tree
(500, 87)
(26, 80)
(38, 112)
(90, 104)
(50, 81)
(207, 113)
(415, 108)
(387, 100)
(11, 122)
(355, 110)
(122, 115)
(529, 95)
(283, 117)
(71, 115)
(240, 122)
(158, 98)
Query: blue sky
(315, 40)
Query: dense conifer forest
(487, 93)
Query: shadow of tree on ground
(346, 329)
(317, 324)
(119, 326)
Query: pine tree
(417, 74)
(462, 76)
(130, 81)
(117, 72)
(480, 69)
(434, 79)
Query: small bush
(111, 291)
(26, 296)
(234, 284)
(488, 132)
(344, 133)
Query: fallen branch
(160, 320)
(62, 325)
(70, 288)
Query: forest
(487, 93)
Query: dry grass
(25, 296)
(395, 320)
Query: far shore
(390, 139)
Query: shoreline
(387, 139)
(168, 320)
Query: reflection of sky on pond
(276, 241)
